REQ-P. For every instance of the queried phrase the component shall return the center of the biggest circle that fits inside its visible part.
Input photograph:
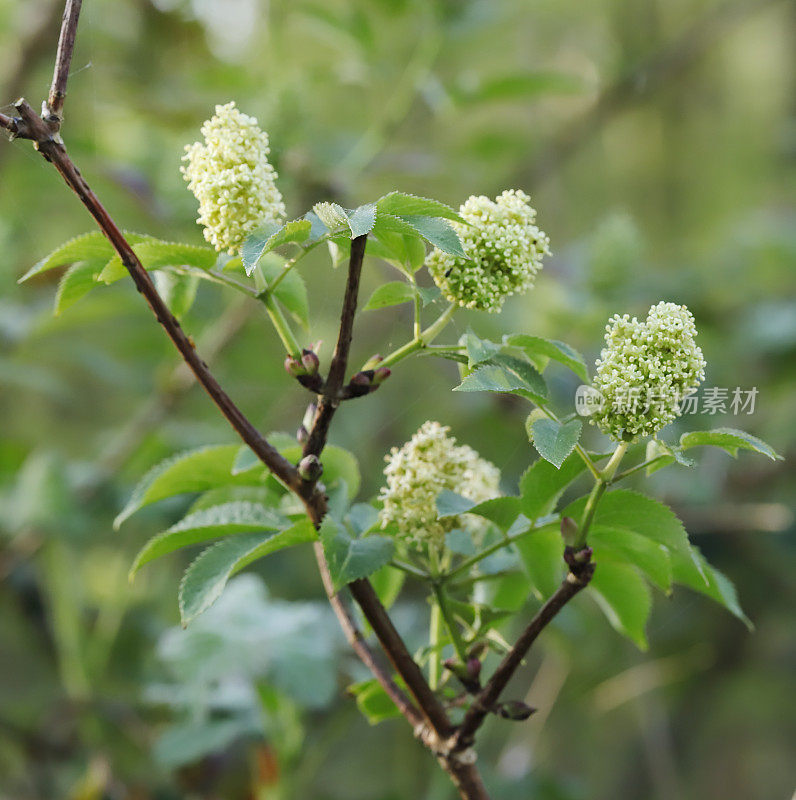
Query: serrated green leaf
(177, 291)
(267, 239)
(504, 373)
(535, 346)
(351, 558)
(207, 524)
(205, 579)
(373, 701)
(555, 441)
(627, 510)
(193, 471)
(88, 246)
(624, 598)
(478, 350)
(154, 254)
(438, 232)
(361, 220)
(707, 580)
(390, 294)
(625, 547)
(428, 294)
(500, 510)
(542, 485)
(400, 203)
(730, 440)
(76, 283)
(542, 557)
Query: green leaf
(542, 556)
(624, 598)
(401, 204)
(387, 583)
(542, 485)
(627, 510)
(730, 440)
(178, 291)
(554, 440)
(206, 577)
(438, 232)
(428, 294)
(209, 523)
(155, 254)
(406, 251)
(373, 701)
(625, 547)
(390, 294)
(267, 239)
(535, 346)
(351, 558)
(506, 374)
(478, 350)
(500, 510)
(193, 471)
(291, 291)
(361, 220)
(708, 581)
(88, 246)
(76, 283)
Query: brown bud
(514, 710)
(294, 367)
(310, 361)
(310, 468)
(302, 434)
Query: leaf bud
(514, 710)
(310, 361)
(310, 468)
(294, 367)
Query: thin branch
(577, 578)
(63, 59)
(330, 400)
(55, 152)
(360, 647)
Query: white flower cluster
(232, 179)
(417, 472)
(645, 370)
(504, 252)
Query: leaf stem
(631, 470)
(421, 341)
(280, 324)
(450, 622)
(600, 485)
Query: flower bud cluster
(417, 472)
(231, 177)
(503, 248)
(645, 370)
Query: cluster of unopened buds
(306, 371)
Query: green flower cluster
(232, 179)
(503, 247)
(645, 370)
(417, 472)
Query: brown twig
(330, 399)
(580, 573)
(32, 126)
(436, 734)
(63, 59)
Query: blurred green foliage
(655, 140)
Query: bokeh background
(656, 138)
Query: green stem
(450, 622)
(600, 485)
(409, 569)
(434, 631)
(280, 324)
(416, 328)
(493, 548)
(625, 473)
(423, 340)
